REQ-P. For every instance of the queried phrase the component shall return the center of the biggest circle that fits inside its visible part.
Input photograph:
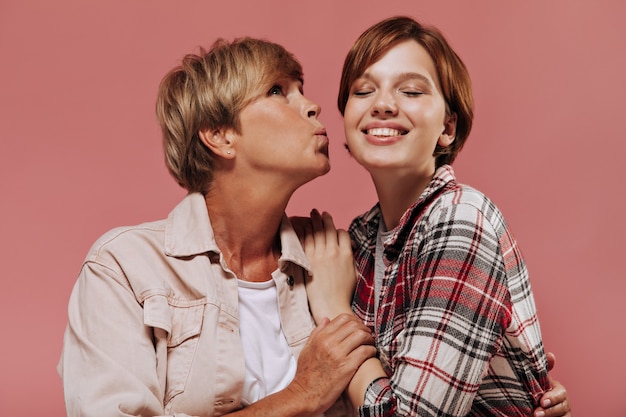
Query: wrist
(330, 310)
(303, 403)
(288, 402)
(367, 373)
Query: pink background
(80, 153)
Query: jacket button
(290, 280)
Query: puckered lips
(322, 136)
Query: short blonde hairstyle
(455, 81)
(208, 91)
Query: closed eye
(411, 92)
(362, 92)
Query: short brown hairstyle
(455, 81)
(208, 91)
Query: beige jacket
(153, 320)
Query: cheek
(351, 116)
(428, 116)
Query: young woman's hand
(331, 286)
(555, 402)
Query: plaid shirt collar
(443, 178)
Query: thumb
(320, 326)
(551, 360)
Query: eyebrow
(403, 76)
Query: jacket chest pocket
(176, 343)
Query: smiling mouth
(384, 132)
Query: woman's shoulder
(128, 238)
(462, 202)
(459, 194)
(445, 192)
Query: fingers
(319, 327)
(319, 235)
(319, 231)
(551, 360)
(559, 410)
(338, 346)
(331, 283)
(322, 231)
(323, 228)
(308, 243)
(345, 243)
(299, 226)
(329, 227)
(342, 335)
(555, 402)
(330, 358)
(361, 354)
(555, 395)
(351, 339)
(348, 329)
(346, 325)
(316, 230)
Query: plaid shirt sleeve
(451, 285)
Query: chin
(318, 173)
(377, 164)
(376, 161)
(324, 167)
(321, 173)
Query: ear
(449, 131)
(219, 141)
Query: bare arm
(333, 353)
(332, 284)
(331, 287)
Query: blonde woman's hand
(329, 360)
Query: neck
(397, 192)
(246, 222)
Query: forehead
(407, 59)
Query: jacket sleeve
(109, 359)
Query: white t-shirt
(270, 365)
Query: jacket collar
(188, 232)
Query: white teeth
(383, 131)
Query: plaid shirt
(456, 328)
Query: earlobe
(445, 140)
(448, 135)
(219, 141)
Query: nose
(312, 109)
(384, 104)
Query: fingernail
(546, 403)
(540, 414)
